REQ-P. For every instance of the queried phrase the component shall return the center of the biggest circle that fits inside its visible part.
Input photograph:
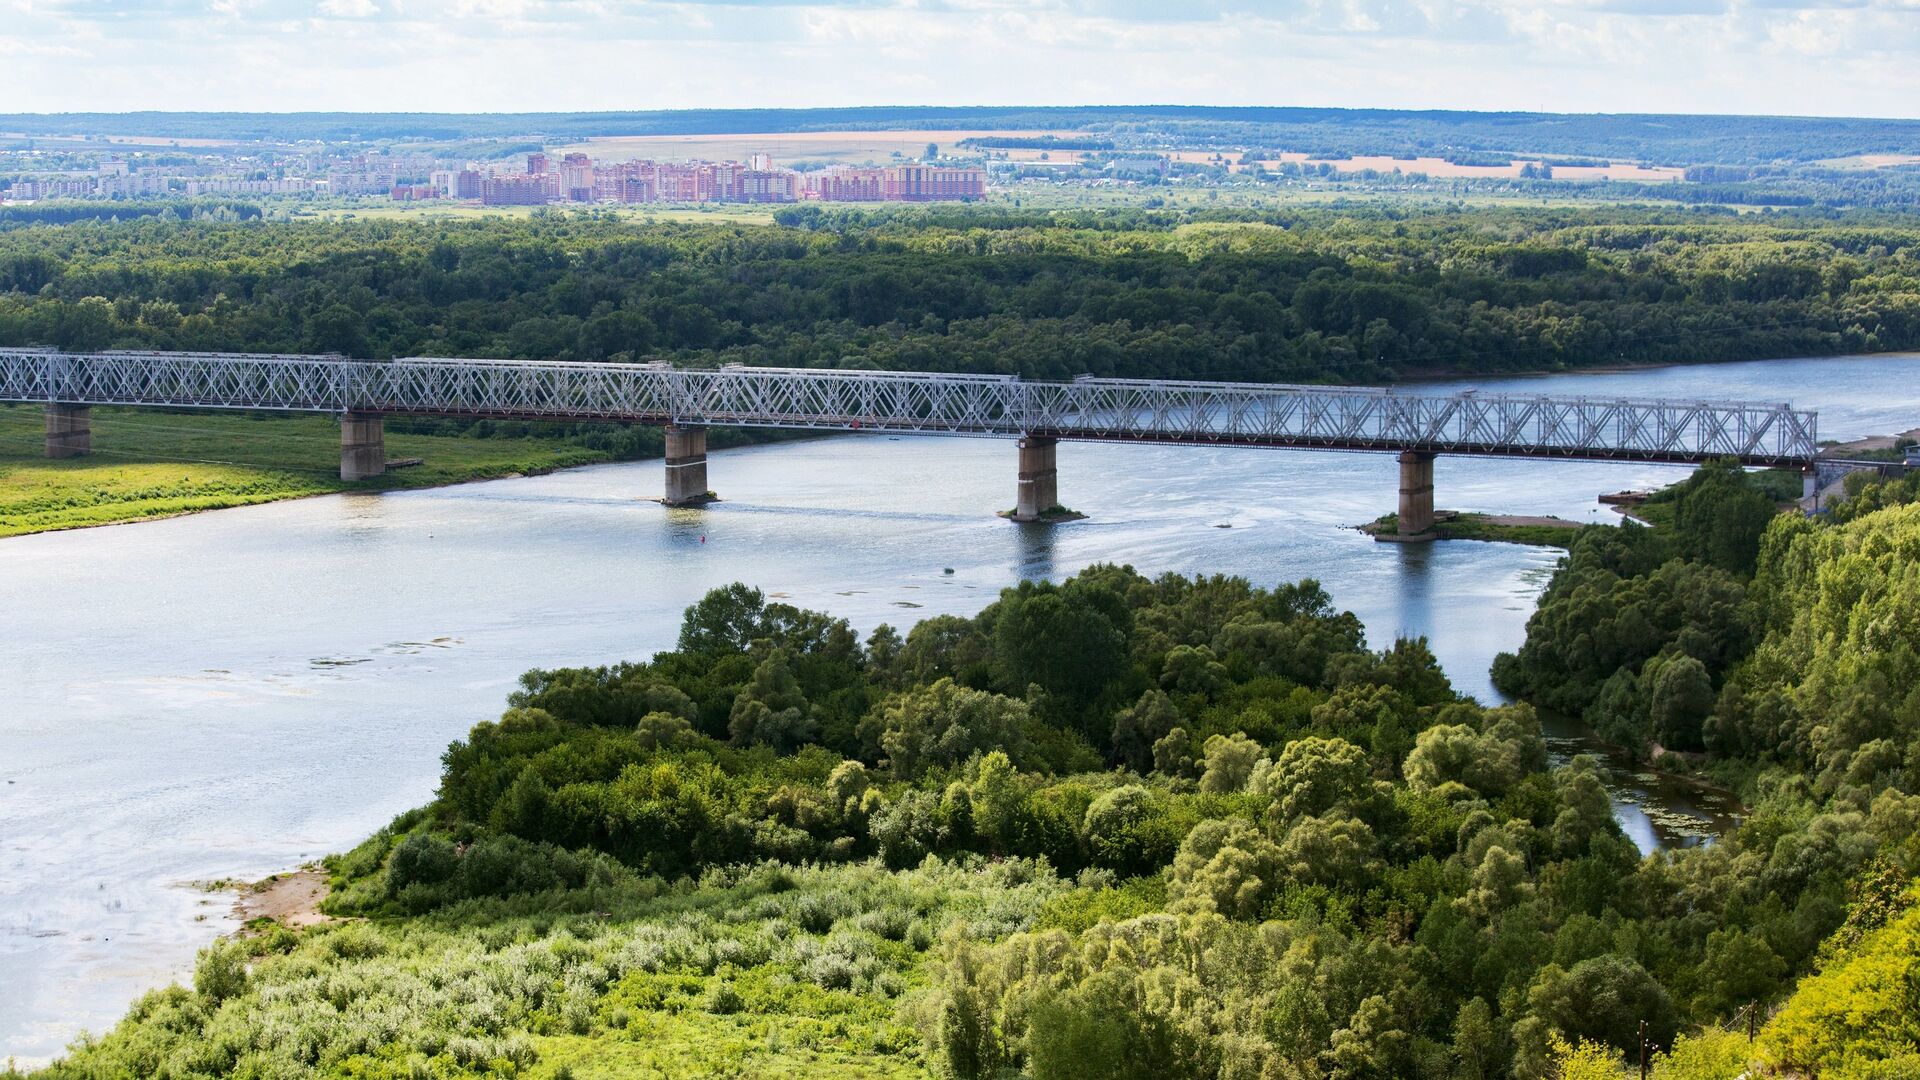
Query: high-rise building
(513, 191)
(926, 183)
(576, 178)
(536, 164)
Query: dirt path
(292, 900)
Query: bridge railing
(1354, 418)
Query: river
(229, 694)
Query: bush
(221, 972)
(423, 859)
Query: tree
(1476, 1042)
(1335, 851)
(945, 724)
(968, 1036)
(1499, 882)
(664, 731)
(1718, 517)
(1587, 808)
(1102, 1030)
(1604, 998)
(221, 972)
(1225, 866)
(1137, 728)
(1069, 640)
(771, 708)
(1192, 670)
(1230, 760)
(1681, 699)
(1173, 753)
(1741, 969)
(727, 619)
(1315, 775)
(1126, 830)
(1372, 1046)
(998, 802)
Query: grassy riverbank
(1499, 528)
(149, 464)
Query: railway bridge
(686, 402)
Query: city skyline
(1711, 56)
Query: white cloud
(1818, 56)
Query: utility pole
(1643, 1050)
(1753, 1020)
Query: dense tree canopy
(1358, 293)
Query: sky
(1837, 58)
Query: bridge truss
(921, 403)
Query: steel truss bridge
(921, 403)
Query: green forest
(1347, 293)
(1169, 827)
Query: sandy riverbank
(291, 899)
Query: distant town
(539, 180)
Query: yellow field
(1871, 161)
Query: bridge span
(1416, 426)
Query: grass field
(149, 464)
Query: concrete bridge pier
(687, 466)
(363, 446)
(1416, 497)
(1039, 486)
(69, 430)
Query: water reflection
(1033, 546)
(1656, 810)
(1415, 564)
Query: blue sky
(1846, 57)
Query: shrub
(422, 858)
(221, 972)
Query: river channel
(229, 694)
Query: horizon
(679, 110)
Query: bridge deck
(925, 403)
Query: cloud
(1827, 56)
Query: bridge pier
(686, 466)
(69, 430)
(1416, 497)
(363, 446)
(1038, 490)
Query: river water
(229, 694)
